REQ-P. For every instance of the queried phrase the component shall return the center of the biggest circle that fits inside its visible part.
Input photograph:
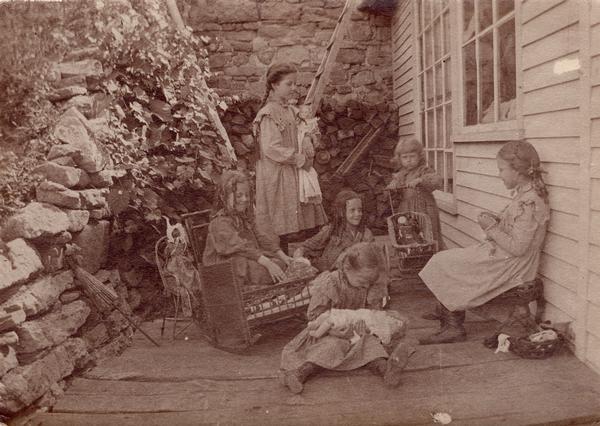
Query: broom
(104, 297)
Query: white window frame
(496, 131)
(421, 98)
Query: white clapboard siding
(532, 9)
(403, 67)
(594, 288)
(593, 348)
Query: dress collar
(523, 188)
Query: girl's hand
(275, 271)
(486, 221)
(413, 183)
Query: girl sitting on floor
(352, 286)
(464, 278)
(347, 228)
(232, 235)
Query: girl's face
(409, 160)
(510, 177)
(285, 87)
(354, 211)
(241, 197)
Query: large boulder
(35, 220)
(68, 177)
(93, 241)
(77, 219)
(19, 263)
(53, 328)
(23, 385)
(54, 193)
(73, 129)
(85, 67)
(40, 295)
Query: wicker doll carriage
(411, 240)
(230, 312)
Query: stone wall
(49, 327)
(252, 34)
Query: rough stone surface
(68, 177)
(53, 328)
(64, 150)
(23, 385)
(8, 359)
(85, 67)
(51, 397)
(77, 219)
(93, 198)
(53, 193)
(93, 241)
(67, 92)
(18, 264)
(64, 161)
(97, 336)
(40, 295)
(10, 338)
(101, 179)
(11, 318)
(102, 213)
(70, 296)
(35, 220)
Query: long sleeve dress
(464, 278)
(232, 239)
(323, 249)
(420, 199)
(278, 206)
(332, 290)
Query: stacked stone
(49, 329)
(342, 126)
(253, 35)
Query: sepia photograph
(299, 212)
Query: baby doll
(310, 190)
(383, 324)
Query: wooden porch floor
(189, 382)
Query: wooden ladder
(315, 93)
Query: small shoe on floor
(291, 380)
(396, 363)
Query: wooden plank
(562, 248)
(544, 75)
(594, 288)
(593, 319)
(595, 227)
(594, 36)
(552, 124)
(533, 8)
(407, 130)
(558, 97)
(593, 352)
(595, 163)
(551, 47)
(559, 271)
(357, 152)
(404, 79)
(560, 16)
(595, 101)
(458, 236)
(595, 132)
(594, 12)
(405, 119)
(561, 297)
(595, 73)
(594, 254)
(595, 188)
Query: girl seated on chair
(464, 278)
(347, 228)
(232, 235)
(352, 286)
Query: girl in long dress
(352, 286)
(278, 206)
(464, 278)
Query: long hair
(275, 74)
(229, 181)
(523, 158)
(339, 214)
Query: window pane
(447, 80)
(430, 129)
(449, 126)
(439, 167)
(423, 138)
(421, 53)
(505, 6)
(468, 20)
(437, 39)
(437, 4)
(431, 158)
(428, 49)
(486, 75)
(446, 23)
(507, 73)
(439, 127)
(420, 16)
(421, 83)
(470, 84)
(429, 87)
(439, 81)
(427, 12)
(449, 171)
(485, 14)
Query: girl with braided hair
(232, 235)
(464, 278)
(278, 206)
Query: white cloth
(308, 180)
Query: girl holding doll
(464, 278)
(278, 206)
(418, 181)
(351, 286)
(346, 229)
(232, 235)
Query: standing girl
(464, 278)
(347, 228)
(420, 181)
(278, 206)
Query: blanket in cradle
(382, 324)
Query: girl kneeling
(464, 278)
(232, 235)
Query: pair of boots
(451, 326)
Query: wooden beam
(358, 151)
